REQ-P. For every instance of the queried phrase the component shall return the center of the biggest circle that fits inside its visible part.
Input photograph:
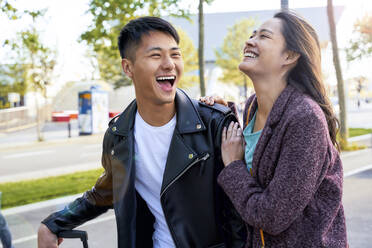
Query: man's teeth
(166, 78)
(250, 55)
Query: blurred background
(61, 82)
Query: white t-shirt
(151, 152)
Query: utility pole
(284, 5)
(201, 48)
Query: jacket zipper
(203, 158)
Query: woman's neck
(267, 91)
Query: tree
(231, 53)
(13, 79)
(189, 56)
(8, 9)
(201, 46)
(37, 60)
(361, 41)
(344, 134)
(108, 19)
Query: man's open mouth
(166, 82)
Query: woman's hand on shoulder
(232, 144)
(211, 100)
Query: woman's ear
(126, 64)
(291, 57)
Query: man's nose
(168, 63)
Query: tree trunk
(201, 48)
(38, 118)
(284, 5)
(344, 134)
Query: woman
(286, 183)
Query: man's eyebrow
(153, 49)
(160, 49)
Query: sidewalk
(53, 132)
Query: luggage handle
(72, 234)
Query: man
(161, 156)
(5, 235)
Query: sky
(66, 20)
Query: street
(58, 155)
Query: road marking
(26, 154)
(24, 239)
(95, 221)
(356, 171)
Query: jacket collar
(188, 118)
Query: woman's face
(264, 52)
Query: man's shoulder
(114, 119)
(216, 108)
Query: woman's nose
(250, 42)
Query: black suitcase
(73, 234)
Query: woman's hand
(210, 100)
(232, 147)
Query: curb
(33, 206)
(50, 172)
(14, 129)
(360, 137)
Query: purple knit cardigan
(295, 192)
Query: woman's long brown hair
(306, 76)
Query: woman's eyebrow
(266, 30)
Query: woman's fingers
(235, 130)
(224, 134)
(211, 100)
(239, 132)
(230, 131)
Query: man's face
(156, 69)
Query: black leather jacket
(196, 210)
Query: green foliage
(8, 9)
(359, 131)
(25, 192)
(361, 41)
(230, 55)
(190, 59)
(34, 62)
(13, 79)
(108, 19)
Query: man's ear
(127, 66)
(291, 57)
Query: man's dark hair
(131, 35)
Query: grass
(353, 146)
(25, 192)
(359, 131)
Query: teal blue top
(251, 140)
